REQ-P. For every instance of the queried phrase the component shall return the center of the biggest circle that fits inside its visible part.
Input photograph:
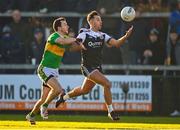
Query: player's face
(97, 22)
(64, 27)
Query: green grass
(55, 122)
(98, 118)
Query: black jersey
(94, 42)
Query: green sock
(45, 105)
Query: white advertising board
(20, 92)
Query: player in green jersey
(56, 44)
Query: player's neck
(94, 29)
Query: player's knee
(84, 91)
(42, 100)
(58, 91)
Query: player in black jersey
(94, 40)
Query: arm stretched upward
(120, 41)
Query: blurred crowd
(104, 6)
(154, 40)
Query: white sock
(65, 97)
(110, 108)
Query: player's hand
(82, 46)
(129, 31)
(79, 42)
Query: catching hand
(129, 31)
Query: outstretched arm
(77, 46)
(79, 42)
(65, 41)
(120, 41)
(76, 43)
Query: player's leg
(99, 78)
(49, 75)
(56, 89)
(86, 86)
(84, 89)
(77, 91)
(44, 92)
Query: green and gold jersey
(53, 52)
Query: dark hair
(57, 23)
(91, 15)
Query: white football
(128, 13)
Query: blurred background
(152, 50)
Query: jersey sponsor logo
(95, 44)
(90, 37)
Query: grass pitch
(12, 122)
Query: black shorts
(86, 70)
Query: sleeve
(107, 38)
(82, 36)
(52, 38)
